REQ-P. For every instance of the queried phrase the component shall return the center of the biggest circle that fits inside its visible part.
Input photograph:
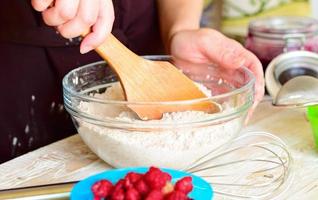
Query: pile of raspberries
(153, 185)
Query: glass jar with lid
(269, 37)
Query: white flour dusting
(174, 147)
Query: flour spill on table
(174, 147)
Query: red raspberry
(133, 177)
(102, 188)
(156, 179)
(184, 185)
(127, 184)
(177, 195)
(118, 194)
(97, 198)
(142, 187)
(154, 195)
(167, 177)
(118, 191)
(154, 169)
(132, 194)
(119, 184)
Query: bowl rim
(84, 97)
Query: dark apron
(34, 58)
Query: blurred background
(232, 17)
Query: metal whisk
(257, 165)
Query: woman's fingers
(210, 46)
(61, 12)
(221, 50)
(232, 55)
(255, 66)
(101, 28)
(239, 57)
(86, 16)
(77, 17)
(41, 5)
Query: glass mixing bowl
(94, 99)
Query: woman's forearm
(176, 15)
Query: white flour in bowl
(173, 148)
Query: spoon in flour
(152, 81)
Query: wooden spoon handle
(112, 48)
(118, 56)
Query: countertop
(71, 160)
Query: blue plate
(82, 190)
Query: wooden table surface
(71, 160)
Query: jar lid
(287, 66)
(275, 27)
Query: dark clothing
(34, 58)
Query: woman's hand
(204, 46)
(76, 17)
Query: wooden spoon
(151, 81)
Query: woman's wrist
(174, 31)
(185, 17)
